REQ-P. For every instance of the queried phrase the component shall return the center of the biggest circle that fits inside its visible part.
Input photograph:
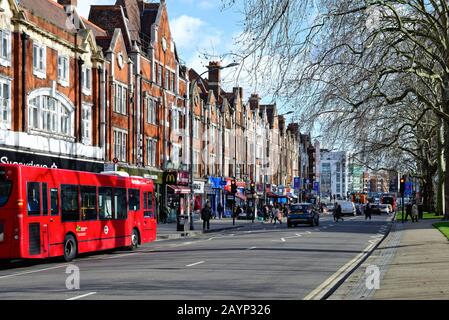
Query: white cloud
(194, 35)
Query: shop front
(198, 191)
(177, 194)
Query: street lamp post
(192, 106)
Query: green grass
(443, 227)
(426, 216)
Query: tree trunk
(446, 172)
(440, 180)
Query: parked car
(347, 207)
(330, 207)
(383, 208)
(390, 208)
(303, 213)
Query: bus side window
(33, 198)
(54, 208)
(148, 205)
(105, 203)
(88, 203)
(69, 201)
(44, 199)
(120, 207)
(134, 199)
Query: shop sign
(198, 187)
(170, 178)
(183, 178)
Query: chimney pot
(68, 2)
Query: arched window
(50, 113)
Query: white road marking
(316, 229)
(33, 271)
(283, 239)
(252, 248)
(308, 232)
(82, 296)
(194, 264)
(320, 290)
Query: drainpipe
(80, 91)
(24, 38)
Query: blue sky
(197, 26)
(200, 26)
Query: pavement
(413, 263)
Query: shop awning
(180, 189)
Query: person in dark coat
(206, 215)
(338, 214)
(220, 210)
(368, 211)
(408, 211)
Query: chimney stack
(254, 102)
(215, 77)
(64, 3)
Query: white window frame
(86, 124)
(151, 110)
(120, 144)
(176, 148)
(120, 98)
(5, 104)
(63, 70)
(62, 116)
(86, 80)
(5, 61)
(159, 75)
(39, 60)
(151, 152)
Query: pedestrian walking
(206, 215)
(408, 211)
(277, 215)
(368, 211)
(220, 210)
(265, 213)
(338, 213)
(414, 212)
(236, 213)
(272, 213)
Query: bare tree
(371, 73)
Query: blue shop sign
(216, 182)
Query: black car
(303, 213)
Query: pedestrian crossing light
(402, 185)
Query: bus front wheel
(70, 248)
(134, 239)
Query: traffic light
(253, 188)
(402, 185)
(233, 187)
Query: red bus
(54, 212)
(388, 198)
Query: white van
(347, 207)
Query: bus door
(149, 221)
